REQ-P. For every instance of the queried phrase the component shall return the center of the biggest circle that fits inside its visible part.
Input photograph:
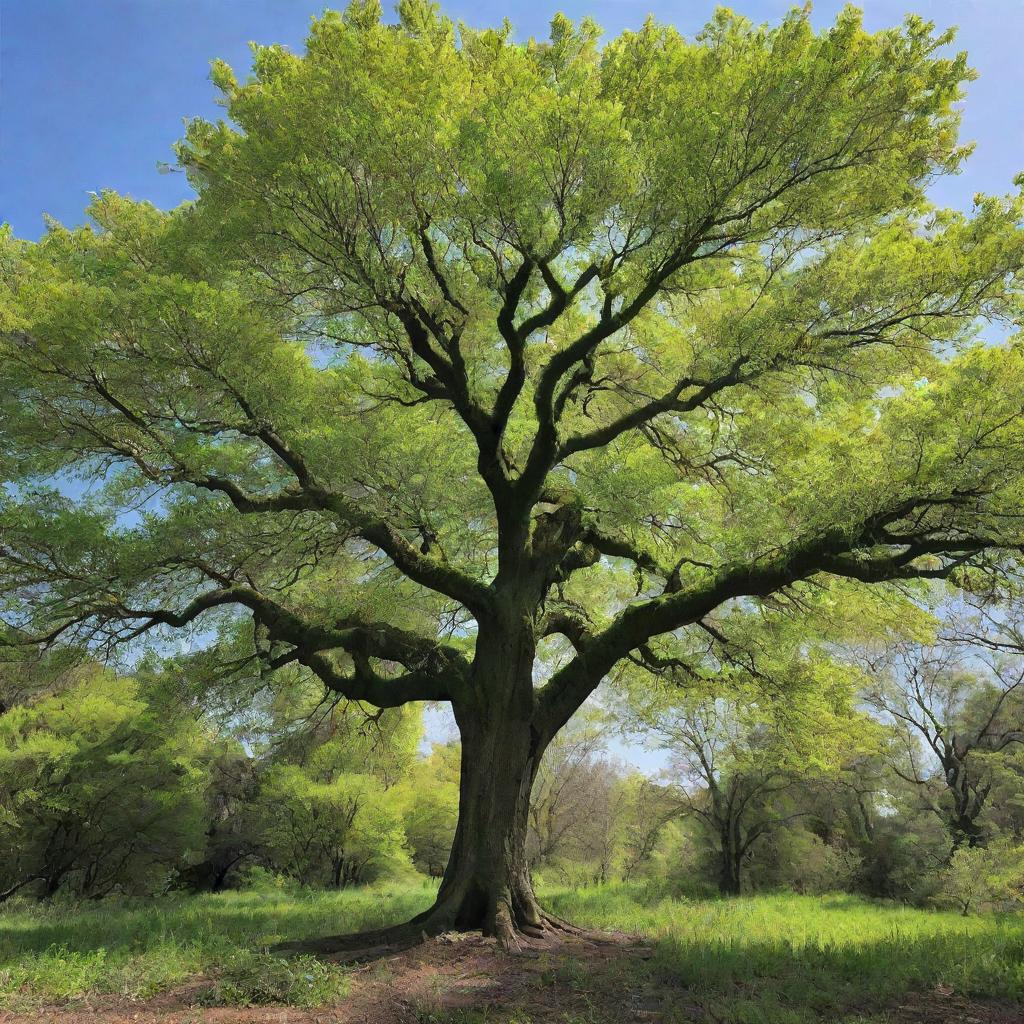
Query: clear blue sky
(93, 92)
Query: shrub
(984, 878)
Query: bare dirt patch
(946, 1008)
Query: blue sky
(93, 92)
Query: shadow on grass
(235, 918)
(775, 960)
(728, 983)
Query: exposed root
(509, 938)
(512, 935)
(559, 925)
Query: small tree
(232, 814)
(648, 809)
(794, 857)
(730, 778)
(469, 346)
(26, 676)
(977, 877)
(955, 718)
(335, 833)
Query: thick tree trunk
(486, 885)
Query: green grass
(757, 960)
(139, 949)
(787, 959)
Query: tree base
(381, 942)
(465, 975)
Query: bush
(681, 863)
(100, 787)
(984, 878)
(799, 860)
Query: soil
(451, 979)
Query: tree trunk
(729, 878)
(965, 831)
(730, 864)
(487, 884)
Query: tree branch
(668, 402)
(641, 621)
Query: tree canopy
(471, 352)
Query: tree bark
(730, 863)
(486, 885)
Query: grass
(779, 959)
(787, 959)
(52, 954)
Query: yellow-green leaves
(446, 301)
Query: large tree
(470, 348)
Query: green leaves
(330, 811)
(446, 302)
(100, 786)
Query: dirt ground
(460, 979)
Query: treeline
(115, 783)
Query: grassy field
(136, 950)
(759, 960)
(790, 958)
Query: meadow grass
(787, 959)
(775, 959)
(136, 949)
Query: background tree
(231, 798)
(101, 788)
(850, 811)
(470, 346)
(25, 675)
(330, 803)
(571, 785)
(956, 716)
(649, 806)
(730, 778)
(431, 808)
(332, 833)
